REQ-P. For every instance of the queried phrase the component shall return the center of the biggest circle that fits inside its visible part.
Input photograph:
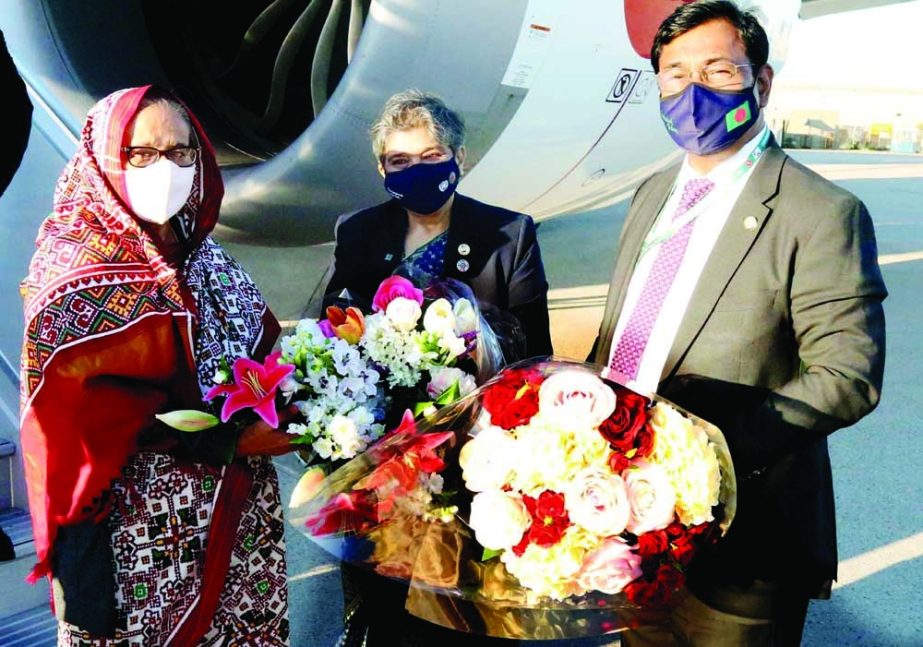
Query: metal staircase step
(34, 627)
(17, 525)
(17, 595)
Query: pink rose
(596, 499)
(610, 567)
(576, 398)
(392, 288)
(651, 496)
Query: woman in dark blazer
(429, 230)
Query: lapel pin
(463, 265)
(750, 223)
(464, 249)
(388, 257)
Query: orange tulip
(348, 325)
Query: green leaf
(188, 420)
(490, 553)
(420, 407)
(450, 395)
(301, 440)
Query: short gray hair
(414, 109)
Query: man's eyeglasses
(717, 75)
(141, 156)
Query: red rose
(513, 399)
(629, 417)
(550, 504)
(676, 529)
(516, 412)
(549, 520)
(644, 441)
(652, 543)
(669, 581)
(618, 463)
(657, 592)
(682, 549)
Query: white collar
(725, 170)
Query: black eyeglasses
(141, 156)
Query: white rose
(403, 313)
(576, 398)
(499, 519)
(487, 460)
(439, 317)
(466, 317)
(596, 499)
(651, 497)
(443, 378)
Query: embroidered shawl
(114, 332)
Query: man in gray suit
(747, 290)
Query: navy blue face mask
(704, 121)
(424, 188)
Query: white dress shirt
(716, 206)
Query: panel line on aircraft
(621, 106)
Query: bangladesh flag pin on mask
(737, 117)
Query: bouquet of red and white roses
(581, 486)
(564, 500)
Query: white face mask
(158, 191)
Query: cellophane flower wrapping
(548, 503)
(360, 368)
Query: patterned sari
(425, 264)
(117, 330)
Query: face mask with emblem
(702, 120)
(424, 188)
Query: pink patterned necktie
(626, 356)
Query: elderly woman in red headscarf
(130, 308)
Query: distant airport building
(847, 118)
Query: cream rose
(487, 460)
(610, 567)
(690, 461)
(596, 499)
(439, 317)
(651, 497)
(403, 313)
(499, 519)
(575, 398)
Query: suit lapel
(641, 216)
(732, 246)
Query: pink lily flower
(254, 387)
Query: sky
(857, 68)
(880, 47)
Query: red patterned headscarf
(111, 326)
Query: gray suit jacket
(787, 329)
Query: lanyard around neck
(652, 241)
